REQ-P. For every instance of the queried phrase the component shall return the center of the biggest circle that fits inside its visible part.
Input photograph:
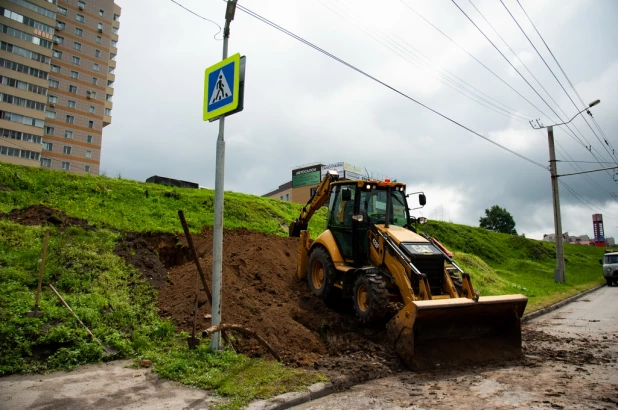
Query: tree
(498, 220)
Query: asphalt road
(570, 362)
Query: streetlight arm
(592, 104)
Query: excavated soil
(42, 215)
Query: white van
(610, 267)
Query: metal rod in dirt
(559, 273)
(74, 315)
(213, 330)
(41, 270)
(217, 248)
(198, 265)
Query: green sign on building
(306, 176)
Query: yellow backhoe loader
(372, 254)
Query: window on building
(91, 109)
(66, 165)
(95, 80)
(90, 124)
(97, 53)
(55, 68)
(68, 134)
(108, 97)
(101, 13)
(110, 69)
(281, 197)
(287, 197)
(95, 67)
(110, 83)
(79, 31)
(79, 18)
(88, 154)
(62, 10)
(81, 5)
(67, 150)
(116, 17)
(50, 114)
(108, 111)
(87, 169)
(52, 99)
(112, 56)
(89, 139)
(115, 30)
(76, 60)
(59, 39)
(46, 162)
(49, 130)
(92, 94)
(70, 119)
(57, 54)
(100, 26)
(98, 39)
(73, 89)
(60, 25)
(77, 46)
(71, 104)
(74, 74)
(114, 43)
(48, 146)
(53, 84)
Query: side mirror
(346, 195)
(422, 199)
(422, 220)
(601, 261)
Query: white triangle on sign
(221, 90)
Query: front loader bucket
(453, 332)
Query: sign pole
(217, 246)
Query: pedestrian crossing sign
(222, 87)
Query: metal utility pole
(217, 246)
(559, 272)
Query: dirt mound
(43, 215)
(261, 292)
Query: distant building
(172, 182)
(306, 179)
(576, 240)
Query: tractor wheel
(370, 297)
(321, 276)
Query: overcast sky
(302, 107)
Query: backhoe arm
(317, 200)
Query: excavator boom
(318, 199)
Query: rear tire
(322, 276)
(609, 281)
(370, 297)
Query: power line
(513, 66)
(474, 58)
(358, 70)
(203, 18)
(555, 77)
(563, 72)
(444, 79)
(584, 201)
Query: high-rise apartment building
(57, 61)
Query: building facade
(306, 179)
(57, 62)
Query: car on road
(610, 267)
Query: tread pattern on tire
(328, 293)
(378, 297)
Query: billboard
(342, 169)
(306, 176)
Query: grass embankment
(110, 297)
(119, 306)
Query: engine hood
(399, 234)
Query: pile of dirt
(43, 215)
(262, 293)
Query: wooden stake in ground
(36, 312)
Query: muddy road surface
(570, 363)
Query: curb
(318, 390)
(557, 305)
